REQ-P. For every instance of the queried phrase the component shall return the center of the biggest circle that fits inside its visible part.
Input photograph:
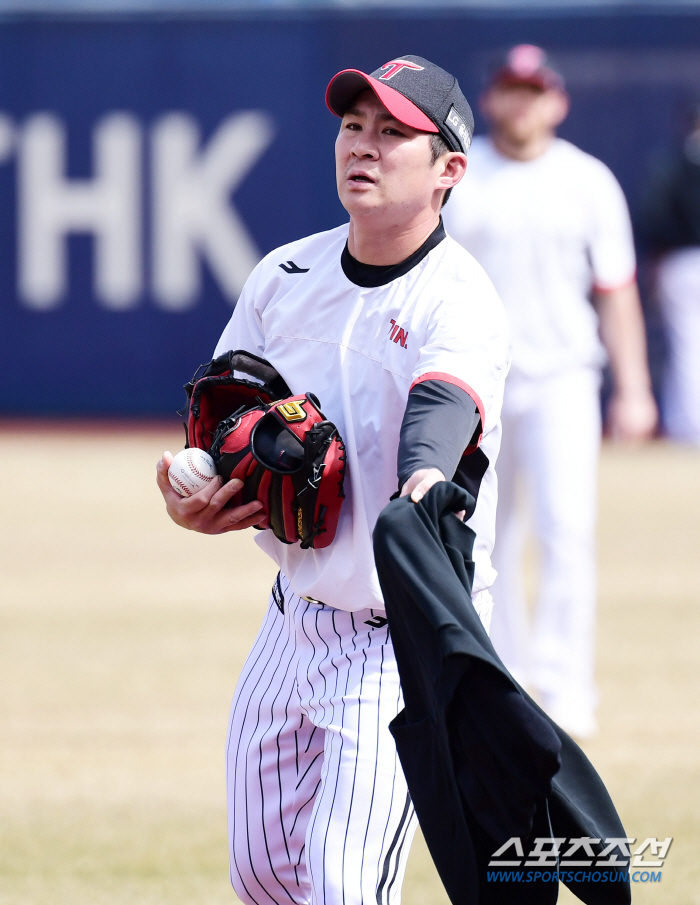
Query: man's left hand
(632, 416)
(420, 483)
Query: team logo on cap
(394, 66)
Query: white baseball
(191, 470)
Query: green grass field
(122, 637)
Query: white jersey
(360, 350)
(548, 232)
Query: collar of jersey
(372, 275)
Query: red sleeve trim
(603, 289)
(455, 381)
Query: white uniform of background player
(550, 226)
(319, 810)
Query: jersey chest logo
(398, 334)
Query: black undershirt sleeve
(440, 422)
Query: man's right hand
(204, 511)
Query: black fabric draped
(483, 762)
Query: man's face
(524, 113)
(382, 166)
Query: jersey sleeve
(244, 329)
(467, 344)
(437, 428)
(612, 245)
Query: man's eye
(391, 131)
(354, 127)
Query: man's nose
(364, 147)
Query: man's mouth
(360, 177)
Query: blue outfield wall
(146, 164)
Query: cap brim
(344, 87)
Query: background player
(402, 336)
(550, 226)
(670, 228)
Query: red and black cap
(526, 64)
(416, 92)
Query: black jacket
(483, 762)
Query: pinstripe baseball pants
(319, 812)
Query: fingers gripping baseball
(204, 511)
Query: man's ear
(561, 108)
(454, 166)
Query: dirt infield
(122, 637)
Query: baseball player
(550, 226)
(670, 226)
(402, 337)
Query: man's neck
(371, 243)
(523, 151)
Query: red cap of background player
(416, 92)
(527, 65)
